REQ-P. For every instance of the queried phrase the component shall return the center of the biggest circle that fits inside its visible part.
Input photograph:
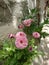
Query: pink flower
(27, 22)
(20, 26)
(21, 40)
(20, 34)
(36, 35)
(21, 43)
(11, 36)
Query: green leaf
(46, 21)
(34, 10)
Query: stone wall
(5, 15)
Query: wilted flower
(30, 49)
(11, 35)
(36, 35)
(27, 22)
(20, 26)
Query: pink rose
(20, 26)
(27, 22)
(21, 42)
(20, 34)
(36, 35)
(11, 36)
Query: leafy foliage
(13, 56)
(35, 25)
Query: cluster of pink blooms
(25, 23)
(21, 38)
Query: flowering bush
(21, 48)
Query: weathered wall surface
(10, 12)
(5, 15)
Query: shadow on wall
(5, 15)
